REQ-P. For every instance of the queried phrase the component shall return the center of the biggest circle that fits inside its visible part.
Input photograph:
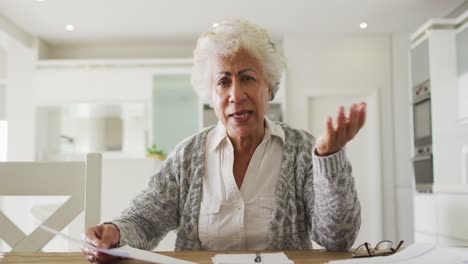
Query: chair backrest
(81, 181)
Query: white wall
(12, 31)
(19, 105)
(404, 181)
(2, 101)
(3, 123)
(3, 60)
(61, 86)
(347, 62)
(3, 72)
(342, 61)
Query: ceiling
(147, 21)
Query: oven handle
(422, 157)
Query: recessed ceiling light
(40, 0)
(69, 27)
(363, 25)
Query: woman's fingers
(89, 254)
(323, 142)
(353, 122)
(90, 235)
(90, 258)
(86, 251)
(97, 257)
(335, 138)
(341, 125)
(341, 118)
(109, 237)
(104, 258)
(101, 236)
(362, 114)
(330, 130)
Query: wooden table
(202, 257)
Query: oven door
(422, 123)
(423, 173)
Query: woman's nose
(237, 93)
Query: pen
(258, 258)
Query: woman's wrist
(118, 233)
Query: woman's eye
(223, 82)
(248, 78)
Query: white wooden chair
(79, 180)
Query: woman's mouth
(241, 116)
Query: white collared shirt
(233, 219)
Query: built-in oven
(422, 159)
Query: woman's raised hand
(335, 138)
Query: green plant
(154, 150)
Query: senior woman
(247, 183)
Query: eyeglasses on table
(383, 248)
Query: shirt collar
(274, 129)
(220, 134)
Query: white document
(266, 258)
(124, 251)
(416, 254)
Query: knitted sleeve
(333, 209)
(155, 211)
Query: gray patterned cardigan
(315, 199)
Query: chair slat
(51, 178)
(81, 181)
(58, 221)
(9, 232)
(93, 189)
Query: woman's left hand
(335, 138)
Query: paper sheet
(267, 258)
(124, 251)
(416, 254)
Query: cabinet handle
(423, 157)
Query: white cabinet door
(420, 63)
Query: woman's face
(240, 94)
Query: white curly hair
(226, 38)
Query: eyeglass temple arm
(399, 245)
(368, 249)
